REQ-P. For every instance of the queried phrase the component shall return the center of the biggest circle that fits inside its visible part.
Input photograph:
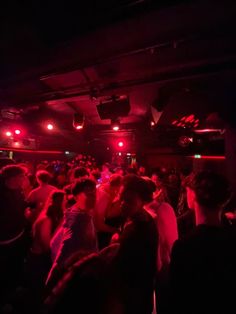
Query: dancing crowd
(75, 237)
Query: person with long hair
(39, 259)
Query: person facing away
(106, 194)
(202, 270)
(77, 232)
(136, 257)
(38, 197)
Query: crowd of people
(77, 237)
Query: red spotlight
(79, 127)
(17, 132)
(115, 125)
(120, 144)
(50, 126)
(8, 133)
(152, 123)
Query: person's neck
(212, 218)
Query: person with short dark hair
(12, 227)
(202, 268)
(38, 197)
(136, 257)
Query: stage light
(50, 126)
(8, 133)
(152, 123)
(17, 132)
(78, 121)
(120, 144)
(115, 125)
(67, 152)
(79, 127)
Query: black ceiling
(53, 53)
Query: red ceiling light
(50, 126)
(120, 144)
(116, 128)
(115, 125)
(8, 133)
(78, 121)
(152, 123)
(17, 132)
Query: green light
(197, 156)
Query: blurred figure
(203, 264)
(96, 176)
(12, 227)
(38, 197)
(166, 222)
(142, 171)
(105, 174)
(105, 196)
(77, 232)
(119, 171)
(173, 189)
(39, 260)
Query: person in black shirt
(202, 271)
(137, 255)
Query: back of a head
(43, 176)
(115, 180)
(212, 189)
(11, 171)
(80, 172)
(138, 185)
(83, 185)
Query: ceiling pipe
(183, 72)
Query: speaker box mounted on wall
(114, 107)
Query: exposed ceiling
(56, 59)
